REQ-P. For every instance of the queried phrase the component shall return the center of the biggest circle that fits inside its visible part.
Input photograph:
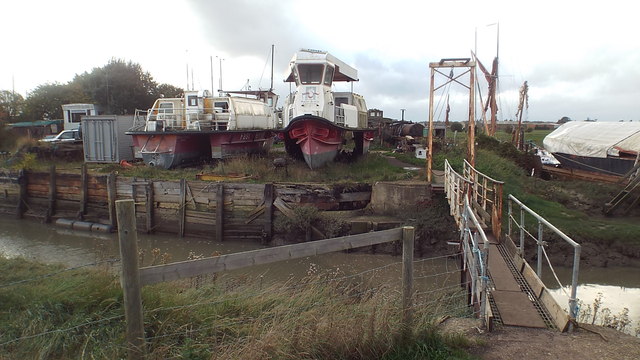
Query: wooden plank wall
(245, 210)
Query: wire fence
(437, 289)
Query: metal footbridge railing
(502, 288)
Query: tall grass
(320, 316)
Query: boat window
(328, 76)
(192, 100)
(165, 108)
(221, 106)
(310, 73)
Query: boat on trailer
(178, 131)
(318, 122)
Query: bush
(300, 227)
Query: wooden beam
(185, 269)
(182, 211)
(268, 209)
(51, 210)
(84, 189)
(149, 202)
(220, 212)
(22, 194)
(111, 198)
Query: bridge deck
(513, 304)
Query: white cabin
(195, 112)
(314, 73)
(73, 113)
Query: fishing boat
(194, 127)
(318, 122)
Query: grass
(320, 316)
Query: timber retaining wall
(196, 208)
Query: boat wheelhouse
(317, 121)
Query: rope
(554, 272)
(587, 165)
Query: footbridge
(502, 287)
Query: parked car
(65, 136)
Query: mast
(271, 86)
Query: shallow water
(620, 287)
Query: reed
(319, 316)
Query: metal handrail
(541, 253)
(456, 186)
(487, 194)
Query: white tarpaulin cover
(594, 139)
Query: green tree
(46, 101)
(119, 87)
(456, 126)
(11, 106)
(169, 91)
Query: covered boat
(194, 127)
(606, 147)
(319, 122)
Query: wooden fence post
(220, 213)
(111, 198)
(149, 206)
(408, 235)
(51, 210)
(130, 279)
(22, 195)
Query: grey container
(104, 139)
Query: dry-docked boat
(317, 121)
(195, 127)
(611, 148)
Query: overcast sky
(580, 59)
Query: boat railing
(182, 119)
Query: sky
(580, 59)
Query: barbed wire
(45, 276)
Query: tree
(11, 106)
(119, 87)
(46, 101)
(564, 119)
(456, 126)
(169, 91)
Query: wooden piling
(130, 279)
(22, 195)
(182, 211)
(111, 198)
(51, 210)
(220, 212)
(84, 189)
(268, 211)
(149, 201)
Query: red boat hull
(168, 150)
(318, 141)
(232, 143)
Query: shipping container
(104, 138)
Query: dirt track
(589, 342)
